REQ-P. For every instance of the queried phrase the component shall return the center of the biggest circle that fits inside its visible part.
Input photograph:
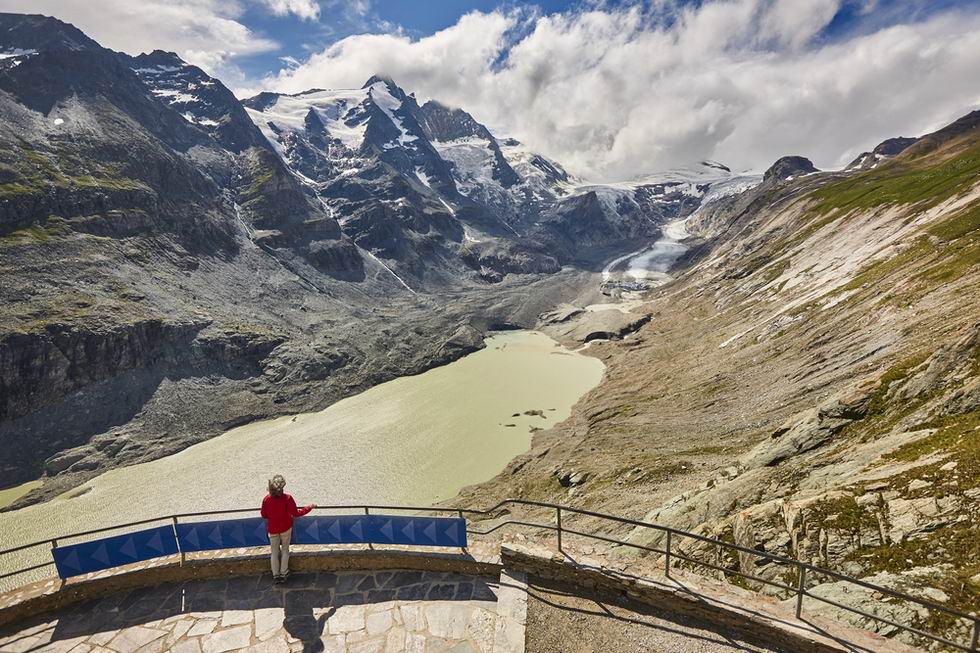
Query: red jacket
(279, 512)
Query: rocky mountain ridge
(806, 386)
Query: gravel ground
(559, 622)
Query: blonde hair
(276, 485)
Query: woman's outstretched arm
(299, 512)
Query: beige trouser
(280, 552)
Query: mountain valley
(792, 359)
(177, 262)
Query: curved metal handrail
(670, 532)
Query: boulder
(948, 366)
(572, 478)
(465, 339)
(914, 519)
(808, 430)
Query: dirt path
(558, 622)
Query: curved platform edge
(54, 594)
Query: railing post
(558, 510)
(54, 545)
(367, 511)
(975, 644)
(800, 591)
(667, 556)
(177, 539)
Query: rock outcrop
(787, 168)
(808, 430)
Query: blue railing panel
(105, 553)
(419, 531)
(381, 529)
(336, 529)
(223, 534)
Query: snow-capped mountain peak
(439, 169)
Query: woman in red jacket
(279, 509)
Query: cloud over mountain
(614, 92)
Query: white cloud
(305, 9)
(208, 33)
(618, 92)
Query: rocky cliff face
(808, 385)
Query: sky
(612, 89)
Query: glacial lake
(415, 440)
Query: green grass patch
(32, 233)
(715, 388)
(776, 270)
(920, 183)
(53, 226)
(958, 438)
(961, 251)
(883, 268)
(14, 189)
(36, 233)
(955, 261)
(26, 171)
(962, 223)
(709, 450)
(957, 434)
(262, 177)
(902, 182)
(939, 263)
(124, 307)
(731, 561)
(842, 513)
(104, 183)
(881, 414)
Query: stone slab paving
(342, 612)
(511, 612)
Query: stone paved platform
(350, 612)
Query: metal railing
(671, 551)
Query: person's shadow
(300, 622)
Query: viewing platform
(513, 587)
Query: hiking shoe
(278, 580)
